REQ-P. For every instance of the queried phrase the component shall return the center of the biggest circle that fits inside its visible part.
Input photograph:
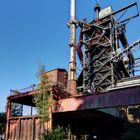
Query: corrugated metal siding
(24, 128)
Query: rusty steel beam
(116, 98)
(7, 119)
(122, 9)
(24, 98)
(12, 97)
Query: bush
(59, 133)
(130, 131)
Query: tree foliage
(43, 103)
(135, 111)
(16, 109)
(2, 122)
(130, 131)
(59, 133)
(41, 99)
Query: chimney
(97, 9)
(72, 85)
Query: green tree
(16, 109)
(130, 131)
(2, 122)
(43, 102)
(59, 133)
(135, 111)
(42, 99)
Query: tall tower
(71, 85)
(99, 43)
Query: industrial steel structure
(98, 99)
(99, 59)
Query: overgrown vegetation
(135, 111)
(130, 131)
(2, 122)
(43, 103)
(59, 133)
(16, 109)
(42, 100)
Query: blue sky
(35, 31)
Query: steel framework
(100, 39)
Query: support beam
(116, 98)
(8, 116)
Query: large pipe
(125, 44)
(123, 39)
(71, 85)
(97, 9)
(72, 9)
(78, 47)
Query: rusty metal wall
(111, 99)
(62, 77)
(52, 76)
(57, 76)
(24, 128)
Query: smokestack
(71, 85)
(97, 9)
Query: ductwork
(79, 46)
(125, 44)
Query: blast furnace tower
(98, 50)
